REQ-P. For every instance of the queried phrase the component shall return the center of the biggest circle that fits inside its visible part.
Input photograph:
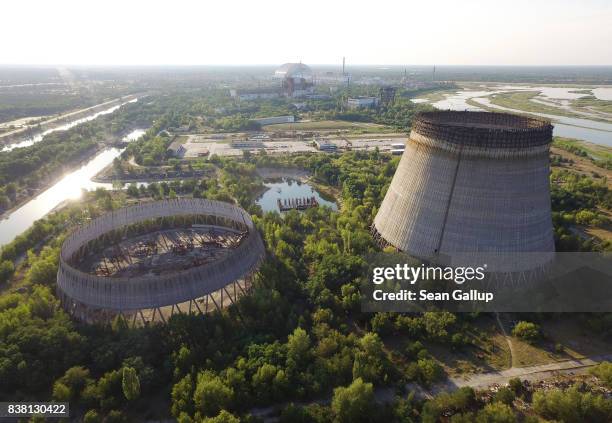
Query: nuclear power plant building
(472, 183)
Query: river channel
(68, 187)
(569, 127)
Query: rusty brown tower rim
(483, 129)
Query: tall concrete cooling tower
(475, 183)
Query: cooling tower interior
(472, 183)
(153, 258)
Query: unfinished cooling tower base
(215, 301)
(146, 262)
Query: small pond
(289, 189)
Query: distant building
(249, 144)
(246, 94)
(182, 128)
(260, 137)
(386, 95)
(318, 96)
(325, 145)
(293, 70)
(296, 79)
(397, 149)
(333, 78)
(362, 102)
(297, 88)
(176, 148)
(275, 120)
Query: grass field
(597, 151)
(563, 338)
(526, 354)
(593, 103)
(181, 138)
(330, 125)
(599, 155)
(488, 351)
(593, 150)
(577, 341)
(521, 100)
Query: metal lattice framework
(472, 182)
(91, 297)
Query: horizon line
(278, 64)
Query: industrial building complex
(471, 184)
(361, 102)
(296, 80)
(195, 146)
(150, 260)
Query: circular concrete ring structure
(472, 184)
(92, 297)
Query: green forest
(297, 347)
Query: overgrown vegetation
(299, 336)
(27, 168)
(598, 157)
(298, 346)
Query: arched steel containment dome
(470, 184)
(293, 70)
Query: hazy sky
(460, 32)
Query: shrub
(459, 340)
(6, 270)
(603, 371)
(61, 392)
(572, 406)
(354, 402)
(130, 383)
(585, 217)
(115, 416)
(211, 394)
(223, 417)
(516, 385)
(496, 412)
(413, 349)
(430, 370)
(505, 395)
(92, 416)
(527, 331)
(449, 403)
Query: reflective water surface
(290, 189)
(68, 187)
(581, 128)
(38, 137)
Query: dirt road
(531, 373)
